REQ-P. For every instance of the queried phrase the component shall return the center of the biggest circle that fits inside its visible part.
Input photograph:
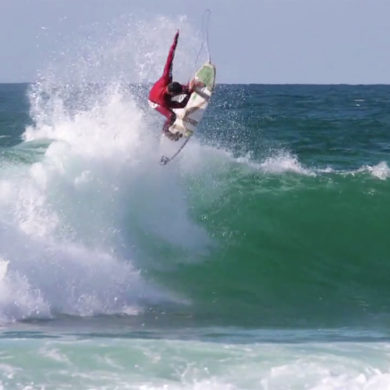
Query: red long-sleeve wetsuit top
(158, 94)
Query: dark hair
(175, 87)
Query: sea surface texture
(258, 259)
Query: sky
(251, 41)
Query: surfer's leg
(168, 123)
(169, 114)
(171, 117)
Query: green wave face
(289, 250)
(299, 217)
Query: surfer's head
(174, 88)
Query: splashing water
(70, 219)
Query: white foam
(380, 171)
(8, 371)
(18, 299)
(70, 223)
(285, 162)
(277, 163)
(54, 354)
(194, 365)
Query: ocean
(258, 259)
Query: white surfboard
(188, 118)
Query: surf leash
(165, 159)
(206, 25)
(205, 36)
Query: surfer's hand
(195, 84)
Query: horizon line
(230, 83)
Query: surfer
(162, 92)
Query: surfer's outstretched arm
(167, 74)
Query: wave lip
(380, 171)
(285, 162)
